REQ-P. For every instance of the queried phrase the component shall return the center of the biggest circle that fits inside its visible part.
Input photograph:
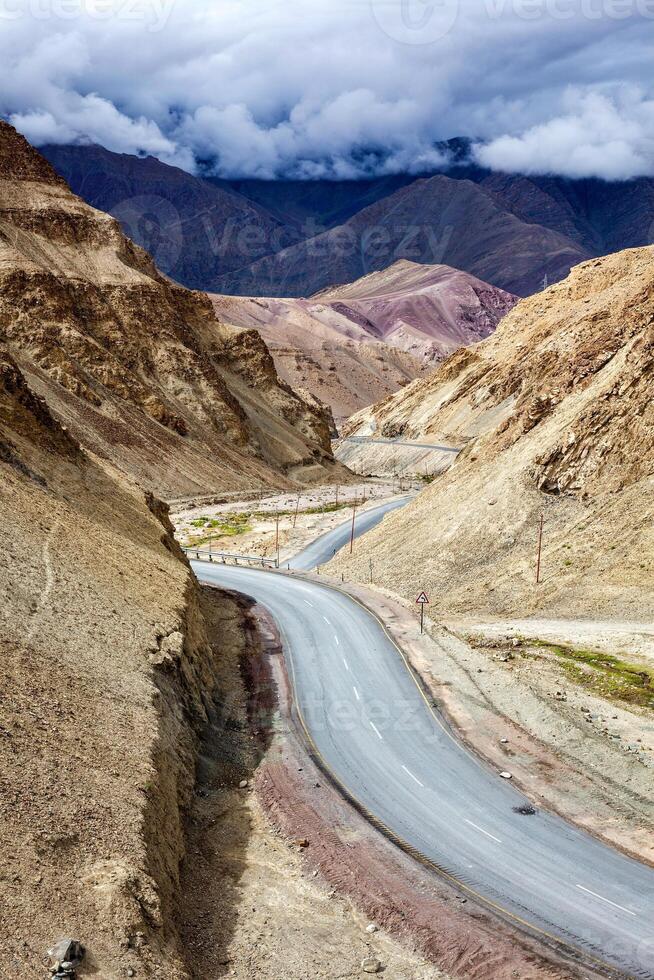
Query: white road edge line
(482, 831)
(607, 900)
(415, 778)
(356, 693)
(376, 730)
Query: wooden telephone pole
(540, 547)
(354, 511)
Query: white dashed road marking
(607, 900)
(415, 778)
(482, 831)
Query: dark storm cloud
(329, 89)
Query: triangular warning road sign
(422, 597)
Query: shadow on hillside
(219, 824)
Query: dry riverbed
(249, 527)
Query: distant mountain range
(294, 238)
(356, 344)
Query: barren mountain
(356, 344)
(137, 367)
(321, 353)
(428, 310)
(207, 233)
(195, 230)
(437, 220)
(555, 415)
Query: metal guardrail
(205, 554)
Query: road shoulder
(520, 719)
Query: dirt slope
(137, 367)
(555, 414)
(105, 665)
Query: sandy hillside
(136, 367)
(356, 344)
(105, 658)
(555, 414)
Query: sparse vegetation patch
(603, 673)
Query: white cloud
(336, 87)
(598, 137)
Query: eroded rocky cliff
(554, 414)
(134, 365)
(107, 672)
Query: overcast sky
(337, 88)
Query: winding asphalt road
(323, 548)
(375, 732)
(364, 440)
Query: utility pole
(354, 511)
(370, 562)
(277, 536)
(337, 494)
(297, 507)
(540, 547)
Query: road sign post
(422, 601)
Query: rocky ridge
(554, 416)
(136, 366)
(355, 344)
